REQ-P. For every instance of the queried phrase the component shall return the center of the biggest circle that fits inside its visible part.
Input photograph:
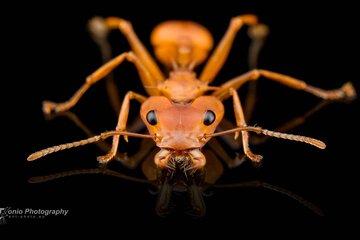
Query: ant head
(181, 127)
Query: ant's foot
(349, 91)
(49, 107)
(106, 158)
(253, 157)
(258, 31)
(98, 28)
(248, 19)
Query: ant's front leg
(121, 125)
(240, 122)
(147, 79)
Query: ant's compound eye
(151, 117)
(209, 117)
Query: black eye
(209, 117)
(151, 117)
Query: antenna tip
(319, 144)
(34, 156)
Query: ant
(183, 110)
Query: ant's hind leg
(221, 52)
(136, 45)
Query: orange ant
(183, 111)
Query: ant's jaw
(186, 160)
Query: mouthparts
(186, 160)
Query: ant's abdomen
(181, 42)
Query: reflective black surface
(306, 41)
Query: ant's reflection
(170, 183)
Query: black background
(51, 53)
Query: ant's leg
(240, 122)
(221, 52)
(99, 74)
(221, 153)
(136, 45)
(346, 92)
(121, 125)
(258, 34)
(99, 33)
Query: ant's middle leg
(49, 107)
(346, 92)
